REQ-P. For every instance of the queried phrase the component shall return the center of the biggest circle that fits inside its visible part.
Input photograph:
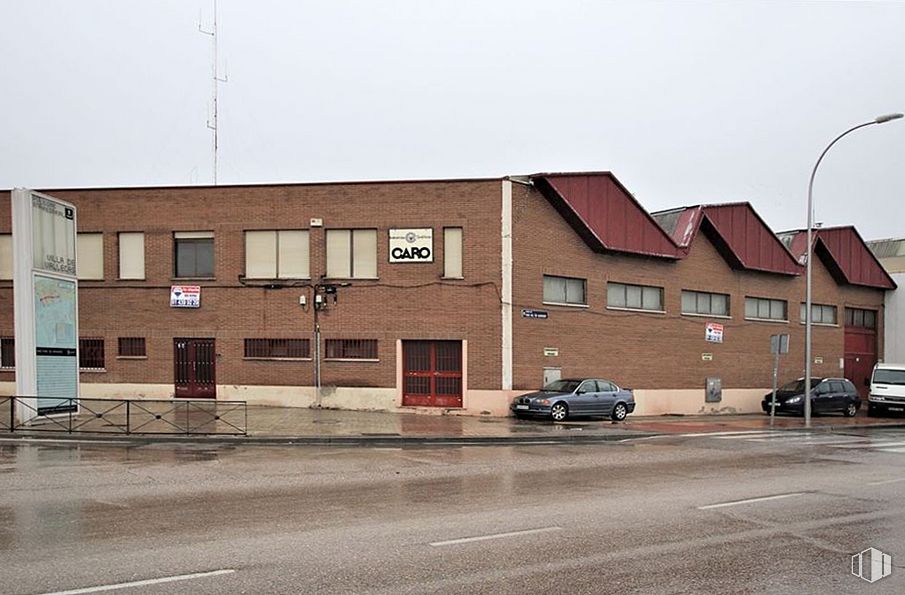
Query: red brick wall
(408, 300)
(657, 351)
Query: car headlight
(793, 400)
(542, 402)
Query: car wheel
(619, 412)
(850, 410)
(559, 412)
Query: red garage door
(432, 373)
(860, 347)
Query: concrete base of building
(494, 403)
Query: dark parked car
(576, 397)
(828, 395)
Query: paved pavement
(302, 425)
(764, 512)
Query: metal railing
(125, 416)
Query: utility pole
(213, 122)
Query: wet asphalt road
(605, 518)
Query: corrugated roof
(887, 248)
(845, 254)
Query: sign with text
(412, 245)
(45, 303)
(551, 351)
(534, 313)
(713, 333)
(185, 296)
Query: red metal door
(432, 373)
(195, 368)
(860, 356)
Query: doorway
(432, 373)
(195, 368)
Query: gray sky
(686, 102)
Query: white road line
(750, 500)
(151, 581)
(873, 445)
(495, 536)
(885, 481)
(897, 450)
(727, 435)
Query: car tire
(619, 412)
(559, 411)
(850, 410)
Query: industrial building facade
(449, 295)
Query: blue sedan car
(576, 397)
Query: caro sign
(412, 245)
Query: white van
(887, 389)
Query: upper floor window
(194, 253)
(860, 317)
(634, 297)
(699, 302)
(766, 309)
(279, 254)
(352, 253)
(820, 314)
(565, 290)
(131, 255)
(452, 252)
(91, 354)
(7, 352)
(6, 256)
(89, 264)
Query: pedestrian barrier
(124, 416)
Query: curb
(362, 440)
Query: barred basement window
(91, 354)
(7, 353)
(820, 314)
(860, 318)
(277, 348)
(132, 347)
(766, 309)
(351, 349)
(699, 302)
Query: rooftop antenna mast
(212, 122)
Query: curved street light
(807, 333)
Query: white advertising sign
(45, 291)
(714, 332)
(185, 296)
(412, 245)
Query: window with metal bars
(91, 354)
(277, 349)
(351, 349)
(7, 353)
(132, 347)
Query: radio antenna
(213, 117)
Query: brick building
(523, 279)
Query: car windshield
(889, 377)
(562, 386)
(797, 386)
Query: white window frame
(822, 308)
(6, 256)
(625, 288)
(697, 296)
(126, 256)
(349, 268)
(453, 250)
(279, 255)
(759, 301)
(82, 239)
(553, 302)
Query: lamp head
(886, 118)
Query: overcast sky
(686, 102)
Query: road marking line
(151, 581)
(750, 500)
(873, 445)
(885, 481)
(495, 536)
(898, 450)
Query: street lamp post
(810, 253)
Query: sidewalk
(281, 425)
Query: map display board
(55, 342)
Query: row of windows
(269, 254)
(91, 350)
(572, 291)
